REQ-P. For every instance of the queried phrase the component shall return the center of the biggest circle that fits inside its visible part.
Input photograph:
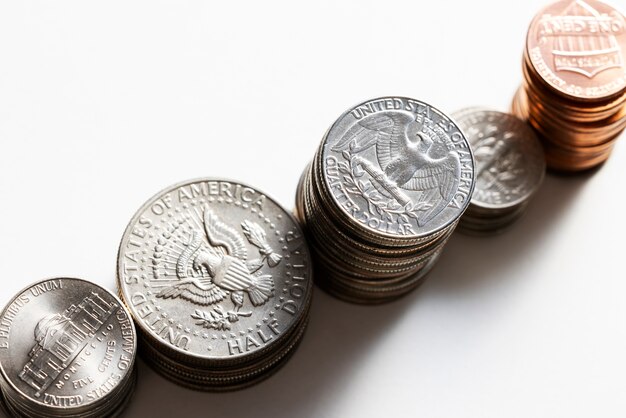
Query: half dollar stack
(218, 278)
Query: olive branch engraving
(218, 318)
(503, 170)
(353, 169)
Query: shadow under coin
(337, 341)
(474, 261)
(334, 343)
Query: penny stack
(510, 166)
(67, 349)
(219, 281)
(574, 89)
(383, 194)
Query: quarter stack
(383, 194)
(218, 278)
(67, 349)
(510, 167)
(574, 89)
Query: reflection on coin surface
(214, 270)
(399, 167)
(510, 164)
(65, 344)
(574, 88)
(382, 196)
(578, 47)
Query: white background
(102, 104)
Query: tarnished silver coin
(399, 167)
(67, 347)
(216, 275)
(510, 166)
(382, 196)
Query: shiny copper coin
(578, 47)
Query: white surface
(102, 104)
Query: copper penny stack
(574, 89)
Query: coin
(576, 48)
(382, 195)
(67, 348)
(574, 89)
(218, 278)
(510, 166)
(397, 156)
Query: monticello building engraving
(61, 337)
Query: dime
(574, 89)
(510, 167)
(67, 348)
(218, 278)
(384, 192)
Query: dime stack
(67, 349)
(383, 194)
(510, 167)
(574, 89)
(218, 279)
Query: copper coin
(578, 48)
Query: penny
(217, 275)
(67, 348)
(574, 89)
(577, 48)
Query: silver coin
(369, 251)
(112, 408)
(215, 271)
(510, 163)
(67, 346)
(398, 167)
(490, 225)
(215, 380)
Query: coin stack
(218, 279)
(510, 166)
(574, 89)
(383, 194)
(67, 349)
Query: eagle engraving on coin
(215, 269)
(404, 146)
(214, 264)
